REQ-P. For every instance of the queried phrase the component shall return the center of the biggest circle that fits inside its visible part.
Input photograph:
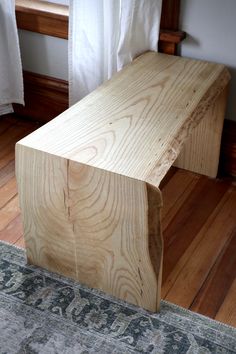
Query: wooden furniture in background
(89, 180)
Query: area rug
(41, 312)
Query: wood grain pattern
(223, 273)
(144, 113)
(7, 172)
(201, 151)
(88, 181)
(7, 191)
(220, 226)
(175, 193)
(227, 311)
(92, 225)
(13, 231)
(154, 237)
(11, 129)
(188, 222)
(10, 212)
(174, 186)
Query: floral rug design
(41, 312)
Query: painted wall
(211, 26)
(44, 55)
(62, 2)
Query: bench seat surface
(88, 180)
(135, 124)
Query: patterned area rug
(41, 312)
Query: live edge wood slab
(88, 180)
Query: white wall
(44, 55)
(211, 28)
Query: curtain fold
(105, 35)
(11, 81)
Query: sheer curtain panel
(11, 82)
(105, 35)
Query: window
(46, 17)
(61, 2)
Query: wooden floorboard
(220, 279)
(199, 226)
(194, 265)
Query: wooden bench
(88, 180)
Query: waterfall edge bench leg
(201, 151)
(98, 227)
(89, 180)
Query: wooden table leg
(201, 152)
(98, 227)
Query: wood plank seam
(212, 269)
(186, 263)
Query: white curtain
(105, 35)
(11, 82)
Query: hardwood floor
(11, 130)
(199, 226)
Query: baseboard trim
(52, 19)
(45, 97)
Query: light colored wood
(88, 180)
(98, 227)
(227, 311)
(201, 151)
(136, 123)
(224, 299)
